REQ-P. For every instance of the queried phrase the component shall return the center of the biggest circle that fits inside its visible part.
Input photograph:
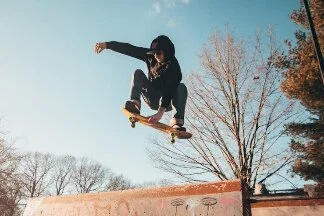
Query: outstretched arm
(123, 48)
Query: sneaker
(177, 124)
(132, 107)
(179, 128)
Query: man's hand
(100, 46)
(156, 117)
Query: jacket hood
(163, 43)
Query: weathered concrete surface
(300, 207)
(219, 198)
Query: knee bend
(138, 73)
(182, 88)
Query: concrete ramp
(218, 198)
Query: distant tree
(88, 176)
(303, 82)
(35, 171)
(155, 184)
(63, 168)
(236, 114)
(118, 182)
(10, 188)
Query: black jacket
(164, 77)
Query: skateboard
(173, 133)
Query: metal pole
(315, 40)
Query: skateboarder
(161, 89)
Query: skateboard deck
(173, 133)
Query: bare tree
(89, 176)
(10, 189)
(118, 182)
(35, 173)
(155, 184)
(236, 114)
(62, 173)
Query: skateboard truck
(133, 121)
(173, 135)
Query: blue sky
(58, 96)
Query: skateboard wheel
(173, 135)
(133, 124)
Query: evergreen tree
(303, 82)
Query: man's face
(159, 56)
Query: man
(161, 90)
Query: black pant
(140, 85)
